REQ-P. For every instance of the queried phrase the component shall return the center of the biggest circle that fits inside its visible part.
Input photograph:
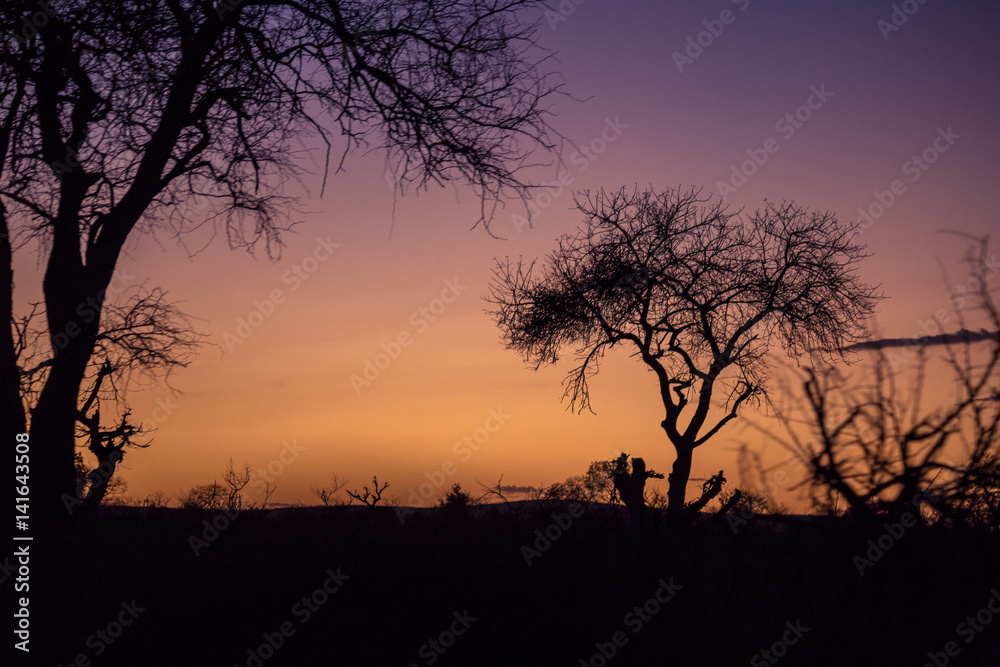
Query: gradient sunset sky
(648, 117)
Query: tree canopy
(692, 289)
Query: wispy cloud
(963, 336)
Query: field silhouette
(525, 583)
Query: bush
(456, 500)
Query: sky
(875, 111)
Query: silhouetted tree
(456, 501)
(114, 116)
(694, 291)
(142, 338)
(370, 497)
(106, 445)
(327, 494)
(230, 494)
(595, 485)
(876, 443)
(204, 496)
(709, 490)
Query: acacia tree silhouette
(114, 116)
(694, 291)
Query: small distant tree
(156, 499)
(593, 486)
(456, 500)
(747, 502)
(494, 490)
(204, 497)
(236, 481)
(327, 494)
(369, 497)
(698, 293)
(656, 499)
(230, 495)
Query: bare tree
(142, 338)
(236, 481)
(495, 490)
(328, 494)
(106, 445)
(369, 497)
(205, 496)
(697, 292)
(229, 495)
(897, 441)
(113, 117)
(596, 485)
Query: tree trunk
(100, 479)
(712, 488)
(677, 480)
(10, 382)
(68, 289)
(53, 443)
(632, 490)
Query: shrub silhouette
(456, 499)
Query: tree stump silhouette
(631, 488)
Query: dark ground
(789, 586)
